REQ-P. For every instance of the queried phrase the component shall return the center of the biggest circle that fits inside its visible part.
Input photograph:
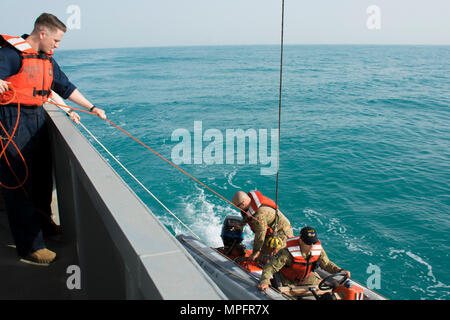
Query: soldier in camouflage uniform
(285, 259)
(260, 221)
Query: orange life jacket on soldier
(34, 80)
(301, 268)
(258, 200)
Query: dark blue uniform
(28, 208)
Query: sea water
(364, 153)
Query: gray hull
(238, 284)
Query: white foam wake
(205, 216)
(230, 178)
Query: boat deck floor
(22, 281)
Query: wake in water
(230, 177)
(204, 216)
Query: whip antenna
(279, 103)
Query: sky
(147, 23)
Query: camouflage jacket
(265, 216)
(284, 258)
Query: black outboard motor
(232, 232)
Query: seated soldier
(298, 260)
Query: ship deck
(24, 281)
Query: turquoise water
(365, 144)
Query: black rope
(279, 103)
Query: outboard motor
(232, 232)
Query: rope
(137, 180)
(168, 161)
(171, 163)
(10, 139)
(190, 176)
(144, 145)
(20, 184)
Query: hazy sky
(142, 23)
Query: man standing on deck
(28, 73)
(264, 219)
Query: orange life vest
(258, 200)
(301, 268)
(34, 80)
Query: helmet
(274, 242)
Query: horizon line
(267, 44)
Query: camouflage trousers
(313, 280)
(267, 253)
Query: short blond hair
(50, 22)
